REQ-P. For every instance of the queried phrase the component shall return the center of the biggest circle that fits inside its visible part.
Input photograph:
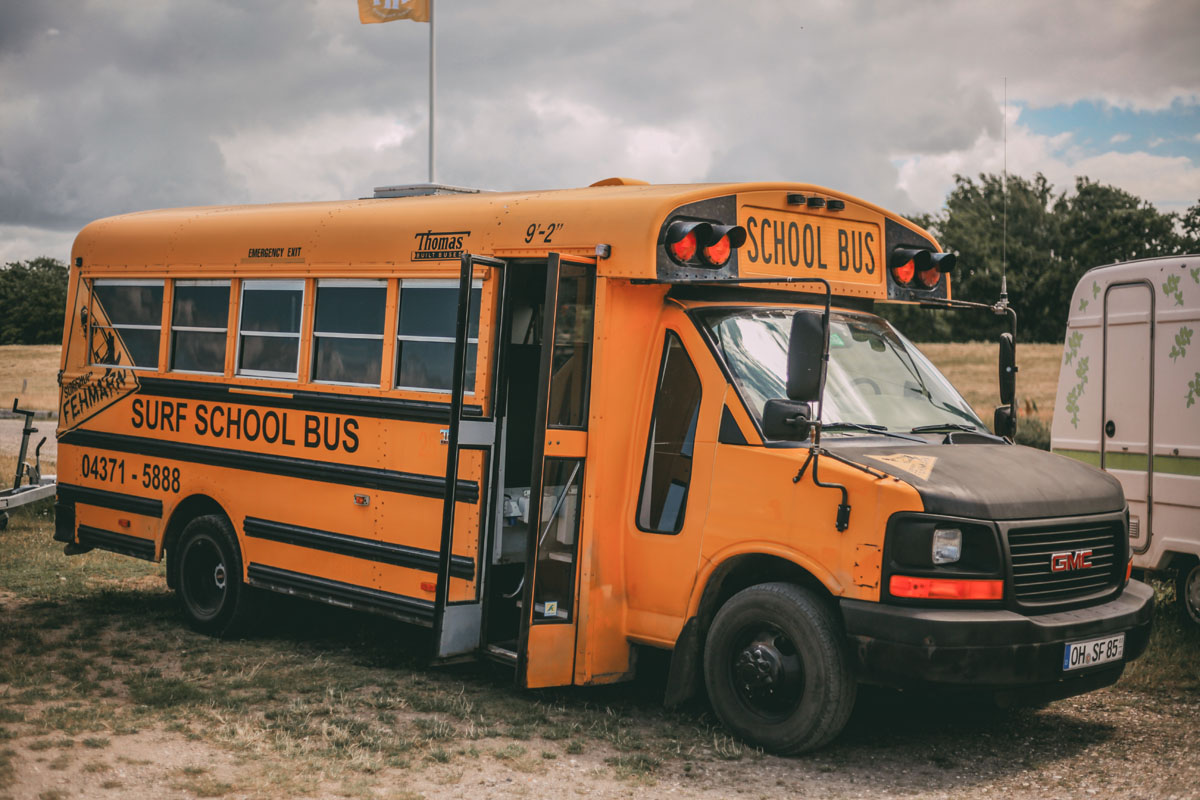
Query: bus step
(498, 652)
(559, 555)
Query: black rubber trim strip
(356, 546)
(69, 494)
(116, 542)
(323, 471)
(730, 432)
(321, 402)
(341, 594)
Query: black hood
(991, 481)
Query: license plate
(1078, 655)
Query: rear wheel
(776, 670)
(208, 576)
(1187, 592)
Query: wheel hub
(758, 669)
(219, 576)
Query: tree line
(1052, 239)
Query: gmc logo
(1080, 559)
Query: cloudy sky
(109, 106)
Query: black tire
(207, 575)
(776, 668)
(1187, 593)
(3, 520)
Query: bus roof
(425, 235)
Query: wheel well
(734, 575)
(197, 505)
(1182, 562)
(741, 572)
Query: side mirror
(786, 419)
(1008, 369)
(1004, 423)
(806, 347)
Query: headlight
(947, 545)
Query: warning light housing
(702, 244)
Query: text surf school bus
(557, 427)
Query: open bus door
(549, 607)
(458, 622)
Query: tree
(1051, 241)
(33, 299)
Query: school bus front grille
(1051, 564)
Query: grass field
(101, 685)
(30, 374)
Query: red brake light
(946, 588)
(685, 249)
(904, 273)
(718, 252)
(929, 277)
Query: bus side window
(668, 469)
(348, 331)
(199, 322)
(269, 332)
(127, 329)
(425, 335)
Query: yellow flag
(391, 10)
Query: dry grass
(972, 368)
(29, 373)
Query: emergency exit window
(348, 332)
(425, 335)
(126, 323)
(199, 324)
(269, 332)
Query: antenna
(1004, 225)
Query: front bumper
(993, 649)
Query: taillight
(946, 588)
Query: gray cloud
(110, 107)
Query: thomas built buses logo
(439, 245)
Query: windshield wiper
(943, 427)
(869, 428)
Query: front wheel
(776, 669)
(208, 576)
(1187, 593)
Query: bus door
(549, 604)
(458, 620)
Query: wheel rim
(766, 672)
(204, 579)
(1191, 594)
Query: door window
(668, 470)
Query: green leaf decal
(1193, 390)
(1182, 340)
(1171, 288)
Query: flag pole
(432, 90)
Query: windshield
(876, 376)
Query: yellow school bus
(558, 427)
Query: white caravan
(1129, 403)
